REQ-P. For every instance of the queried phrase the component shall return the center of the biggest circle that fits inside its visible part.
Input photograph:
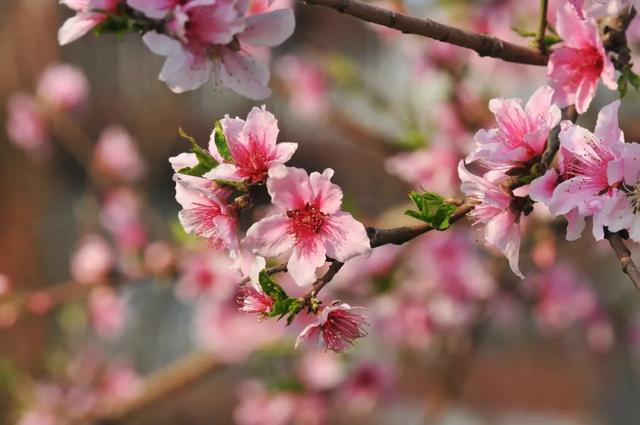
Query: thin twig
(483, 44)
(282, 268)
(542, 27)
(624, 257)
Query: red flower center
(306, 221)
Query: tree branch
(624, 257)
(542, 27)
(483, 44)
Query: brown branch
(542, 27)
(271, 270)
(483, 44)
(161, 385)
(624, 257)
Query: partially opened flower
(310, 223)
(521, 133)
(336, 328)
(89, 14)
(501, 224)
(206, 38)
(252, 147)
(205, 212)
(579, 61)
(588, 169)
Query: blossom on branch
(501, 224)
(310, 223)
(252, 148)
(579, 61)
(336, 328)
(521, 133)
(89, 14)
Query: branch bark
(624, 257)
(483, 44)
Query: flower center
(306, 222)
(633, 192)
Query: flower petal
(270, 236)
(268, 29)
(345, 237)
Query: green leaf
(523, 33)
(283, 304)
(432, 209)
(206, 162)
(623, 84)
(221, 142)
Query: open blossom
(63, 86)
(501, 225)
(207, 37)
(336, 328)
(310, 223)
(579, 61)
(588, 170)
(93, 260)
(25, 126)
(521, 133)
(89, 14)
(205, 212)
(207, 274)
(116, 154)
(253, 148)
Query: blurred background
(109, 313)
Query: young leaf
(221, 142)
(283, 305)
(623, 84)
(206, 162)
(432, 209)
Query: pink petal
(345, 237)
(504, 233)
(244, 75)
(268, 29)
(575, 224)
(232, 128)
(263, 125)
(77, 26)
(307, 257)
(270, 236)
(183, 160)
(224, 172)
(585, 93)
(309, 334)
(541, 189)
(607, 127)
(284, 152)
(289, 187)
(161, 44)
(571, 194)
(571, 27)
(154, 8)
(540, 103)
(327, 196)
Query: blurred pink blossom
(306, 84)
(63, 86)
(26, 127)
(320, 371)
(93, 260)
(121, 215)
(432, 169)
(207, 274)
(116, 155)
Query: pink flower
(521, 134)
(116, 154)
(254, 300)
(25, 126)
(621, 209)
(89, 14)
(207, 37)
(433, 169)
(5, 285)
(502, 228)
(63, 86)
(588, 169)
(253, 148)
(579, 61)
(310, 223)
(205, 212)
(107, 312)
(306, 84)
(259, 407)
(207, 274)
(321, 371)
(336, 329)
(368, 384)
(93, 260)
(119, 383)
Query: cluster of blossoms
(305, 222)
(199, 39)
